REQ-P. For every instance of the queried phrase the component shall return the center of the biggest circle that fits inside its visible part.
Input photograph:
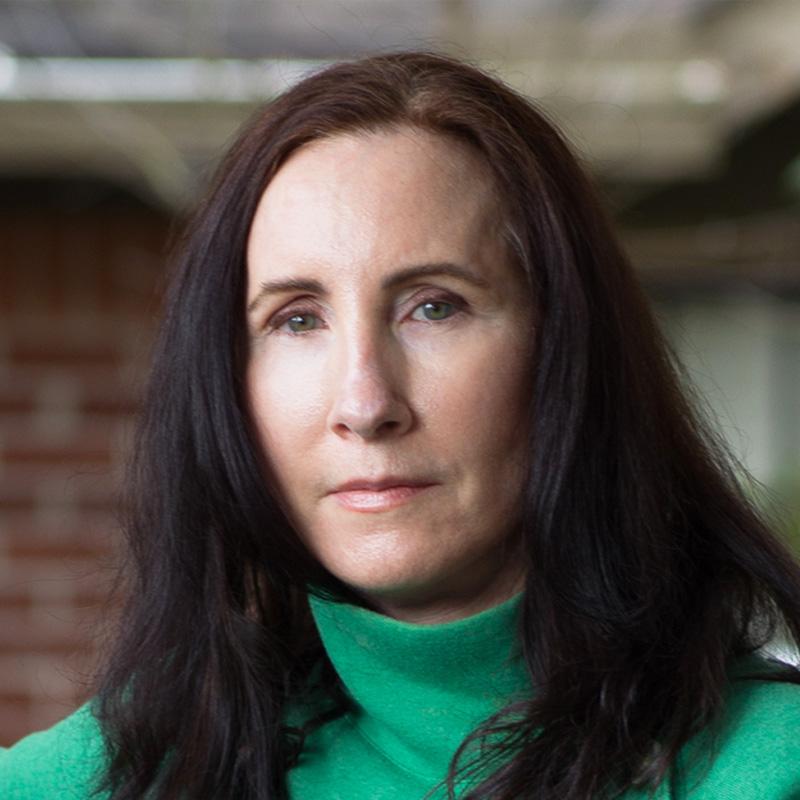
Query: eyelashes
(433, 307)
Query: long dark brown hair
(648, 569)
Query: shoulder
(61, 761)
(754, 751)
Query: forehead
(400, 194)
(388, 162)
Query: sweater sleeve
(757, 753)
(62, 761)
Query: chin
(396, 577)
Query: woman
(418, 505)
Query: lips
(390, 481)
(385, 494)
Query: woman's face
(391, 350)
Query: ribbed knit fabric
(418, 690)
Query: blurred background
(115, 111)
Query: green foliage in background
(780, 503)
(787, 488)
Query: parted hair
(648, 568)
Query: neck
(454, 599)
(447, 608)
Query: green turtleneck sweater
(418, 690)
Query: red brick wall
(77, 311)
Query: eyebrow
(404, 275)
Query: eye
(434, 310)
(300, 323)
(297, 322)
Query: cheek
(480, 394)
(286, 397)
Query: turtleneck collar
(419, 690)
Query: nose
(367, 403)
